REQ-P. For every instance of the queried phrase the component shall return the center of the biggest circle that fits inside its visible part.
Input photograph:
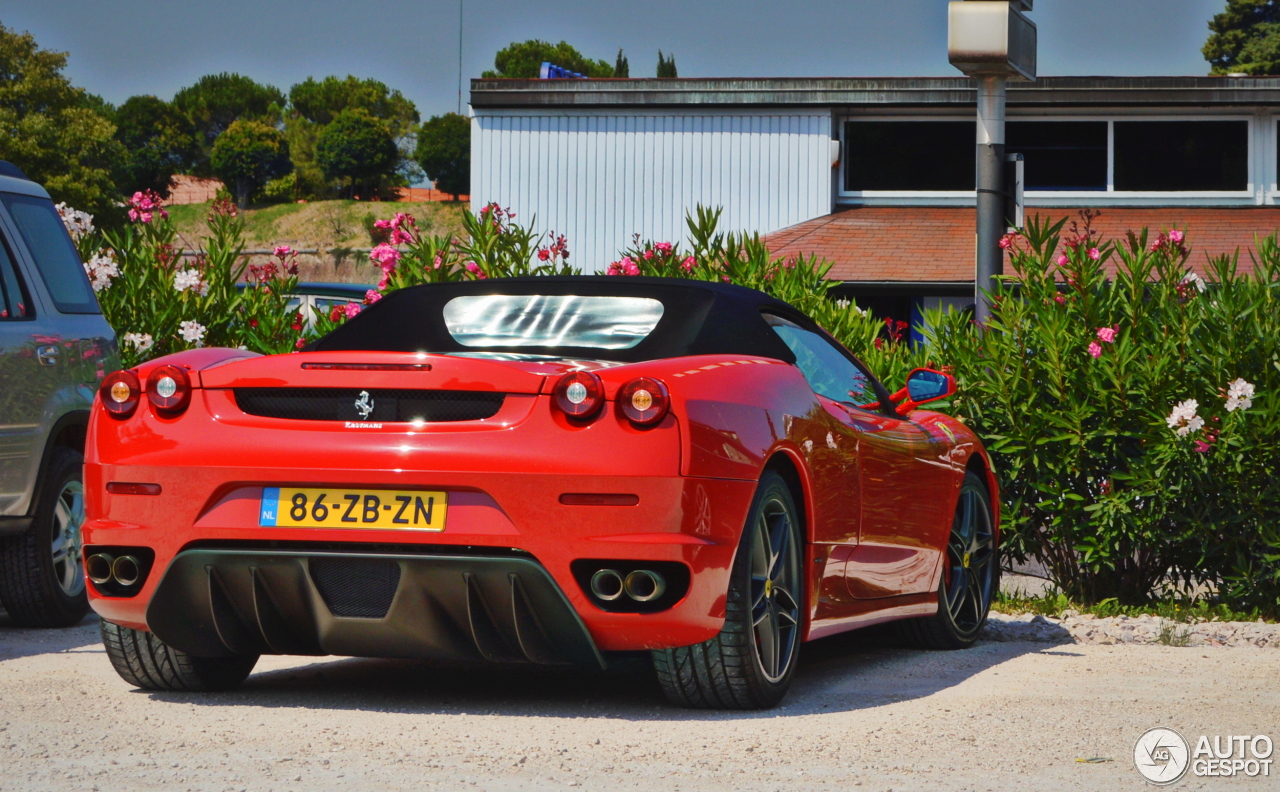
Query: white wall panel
(600, 177)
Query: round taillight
(644, 401)
(169, 389)
(120, 393)
(579, 394)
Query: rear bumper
(217, 602)
(692, 521)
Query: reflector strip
(598, 499)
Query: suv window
(14, 302)
(54, 253)
(828, 370)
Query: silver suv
(55, 347)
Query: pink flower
(352, 309)
(1202, 447)
(648, 255)
(399, 237)
(475, 270)
(664, 247)
(1107, 334)
(145, 217)
(1095, 350)
(371, 297)
(1005, 243)
(544, 254)
(614, 269)
(386, 257)
(1095, 254)
(687, 264)
(1176, 237)
(1063, 260)
(629, 267)
(1059, 299)
(300, 343)
(283, 250)
(133, 215)
(382, 225)
(438, 262)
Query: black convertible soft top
(699, 318)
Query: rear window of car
(559, 320)
(54, 253)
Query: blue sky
(126, 47)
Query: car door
(905, 479)
(888, 480)
(24, 388)
(59, 347)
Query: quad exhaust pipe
(642, 585)
(104, 568)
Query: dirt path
(1002, 716)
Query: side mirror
(927, 385)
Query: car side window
(14, 302)
(828, 370)
(54, 253)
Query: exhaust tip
(607, 585)
(645, 585)
(97, 568)
(126, 570)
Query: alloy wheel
(970, 562)
(775, 577)
(68, 517)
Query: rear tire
(144, 661)
(41, 572)
(749, 665)
(970, 576)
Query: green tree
(621, 68)
(444, 152)
(358, 150)
(1245, 38)
(58, 134)
(159, 141)
(666, 66)
(218, 100)
(321, 101)
(524, 60)
(248, 155)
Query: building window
(1061, 155)
(1124, 156)
(1181, 156)
(909, 156)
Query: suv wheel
(41, 573)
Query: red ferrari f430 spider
(538, 470)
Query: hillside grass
(318, 225)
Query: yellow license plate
(338, 508)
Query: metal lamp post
(992, 42)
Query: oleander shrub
(1131, 413)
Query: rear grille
(354, 404)
(357, 588)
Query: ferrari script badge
(364, 404)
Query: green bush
(1131, 417)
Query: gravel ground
(1090, 629)
(1005, 715)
